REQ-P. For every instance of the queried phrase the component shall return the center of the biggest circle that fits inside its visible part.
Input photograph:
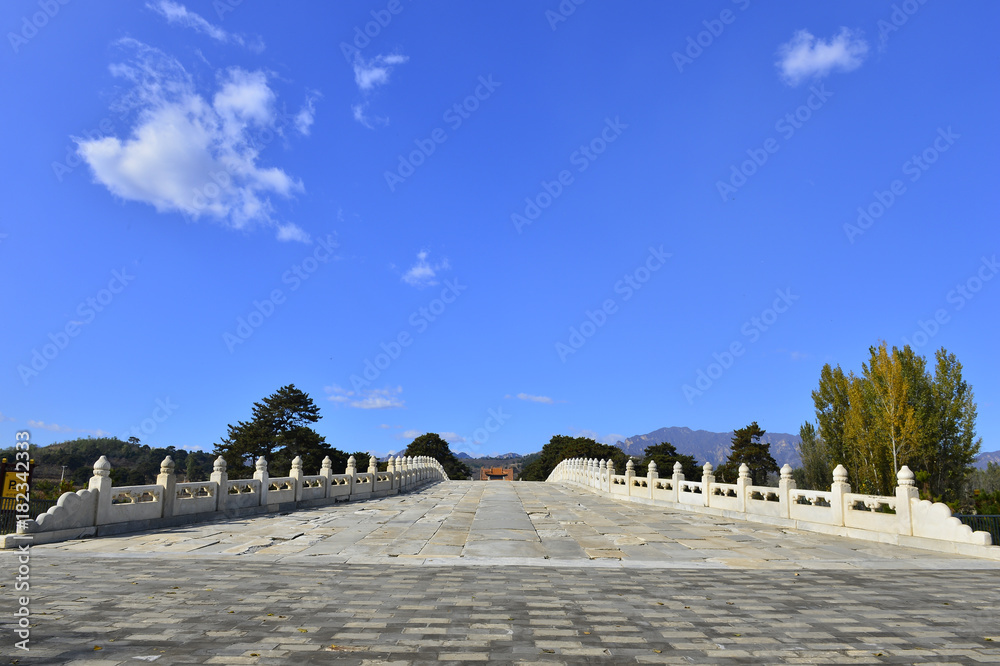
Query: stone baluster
(651, 476)
(611, 475)
(785, 485)
(351, 472)
(906, 492)
(707, 479)
(373, 466)
(677, 480)
(838, 489)
(101, 482)
(326, 471)
(742, 484)
(629, 475)
(167, 480)
(261, 475)
(221, 480)
(297, 473)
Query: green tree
(665, 455)
(817, 470)
(950, 451)
(832, 404)
(278, 431)
(747, 448)
(563, 447)
(432, 445)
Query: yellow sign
(10, 482)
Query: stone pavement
(504, 572)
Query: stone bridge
(506, 572)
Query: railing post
(785, 485)
(221, 480)
(611, 475)
(326, 471)
(707, 479)
(678, 481)
(167, 480)
(906, 492)
(651, 476)
(629, 475)
(351, 471)
(838, 489)
(297, 473)
(261, 475)
(101, 482)
(742, 483)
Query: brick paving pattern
(500, 572)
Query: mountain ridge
(708, 446)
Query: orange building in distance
(496, 473)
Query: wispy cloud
(387, 398)
(375, 72)
(452, 437)
(423, 273)
(53, 427)
(369, 75)
(189, 154)
(610, 438)
(544, 399)
(410, 434)
(307, 114)
(178, 14)
(805, 56)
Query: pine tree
(817, 471)
(749, 449)
(431, 444)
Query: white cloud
(386, 398)
(410, 434)
(452, 437)
(423, 273)
(805, 56)
(368, 75)
(534, 398)
(48, 426)
(188, 155)
(304, 118)
(292, 232)
(4, 417)
(375, 72)
(610, 438)
(178, 14)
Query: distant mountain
(508, 456)
(985, 458)
(711, 447)
(462, 455)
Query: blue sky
(497, 223)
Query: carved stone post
(707, 479)
(326, 471)
(297, 473)
(221, 480)
(262, 476)
(678, 481)
(373, 466)
(629, 475)
(839, 488)
(611, 475)
(101, 482)
(351, 472)
(742, 484)
(168, 481)
(906, 492)
(651, 476)
(785, 485)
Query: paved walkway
(505, 572)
